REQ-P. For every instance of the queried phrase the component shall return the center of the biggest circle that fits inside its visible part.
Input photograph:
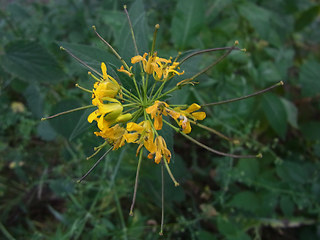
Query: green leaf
(187, 22)
(245, 200)
(306, 17)
(311, 130)
(93, 56)
(45, 131)
(34, 100)
(275, 113)
(292, 112)
(65, 124)
(139, 23)
(269, 72)
(82, 125)
(257, 16)
(31, 62)
(309, 78)
(248, 168)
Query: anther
(236, 42)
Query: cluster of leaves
(274, 197)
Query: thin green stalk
(94, 165)
(169, 91)
(208, 67)
(206, 51)
(244, 97)
(80, 61)
(136, 183)
(132, 35)
(112, 49)
(66, 112)
(130, 95)
(218, 152)
(83, 89)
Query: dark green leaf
(245, 200)
(292, 112)
(309, 78)
(93, 56)
(139, 23)
(65, 124)
(306, 17)
(45, 131)
(311, 130)
(34, 100)
(31, 62)
(275, 113)
(187, 22)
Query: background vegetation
(276, 197)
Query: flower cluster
(136, 115)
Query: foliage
(276, 197)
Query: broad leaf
(187, 22)
(275, 113)
(30, 61)
(309, 78)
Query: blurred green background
(276, 197)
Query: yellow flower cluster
(107, 96)
(136, 115)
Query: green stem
(136, 183)
(124, 228)
(112, 49)
(162, 199)
(66, 112)
(244, 97)
(218, 152)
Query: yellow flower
(156, 111)
(108, 87)
(189, 113)
(165, 71)
(107, 112)
(161, 150)
(114, 135)
(142, 134)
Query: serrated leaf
(269, 72)
(275, 113)
(309, 78)
(31, 62)
(187, 21)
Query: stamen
(93, 167)
(245, 97)
(80, 61)
(66, 112)
(94, 77)
(82, 88)
(218, 152)
(176, 184)
(97, 150)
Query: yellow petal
(193, 107)
(93, 116)
(136, 59)
(131, 137)
(186, 127)
(131, 126)
(158, 122)
(104, 71)
(199, 115)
